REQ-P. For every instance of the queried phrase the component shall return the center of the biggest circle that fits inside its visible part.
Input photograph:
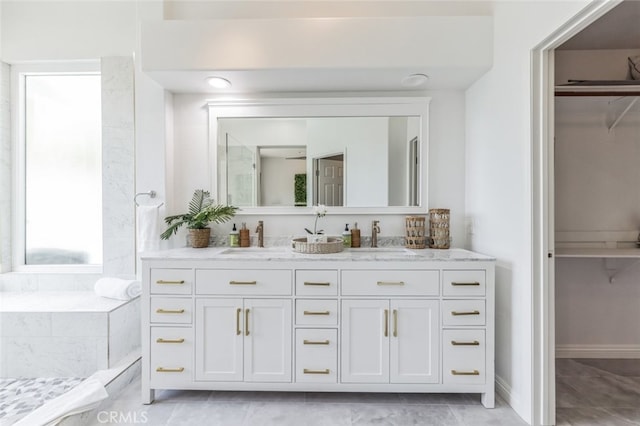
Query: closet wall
(597, 199)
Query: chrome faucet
(375, 230)
(260, 231)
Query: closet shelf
(612, 253)
(599, 88)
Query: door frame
(542, 204)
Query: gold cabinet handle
(390, 282)
(238, 331)
(170, 370)
(465, 373)
(246, 322)
(161, 340)
(457, 313)
(169, 282)
(319, 283)
(456, 343)
(386, 323)
(243, 282)
(465, 283)
(169, 311)
(309, 371)
(315, 342)
(395, 323)
(317, 312)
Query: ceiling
(617, 29)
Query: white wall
(499, 187)
(596, 182)
(445, 158)
(278, 178)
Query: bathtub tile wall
(118, 182)
(5, 167)
(85, 334)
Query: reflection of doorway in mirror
(414, 172)
(329, 185)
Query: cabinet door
(414, 341)
(267, 351)
(219, 339)
(365, 341)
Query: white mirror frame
(324, 107)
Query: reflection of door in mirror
(241, 173)
(329, 183)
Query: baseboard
(503, 389)
(598, 351)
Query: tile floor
(597, 392)
(177, 408)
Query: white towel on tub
(148, 231)
(117, 288)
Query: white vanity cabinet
(344, 322)
(390, 341)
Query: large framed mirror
(357, 155)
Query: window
(60, 184)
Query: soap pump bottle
(355, 236)
(234, 237)
(346, 236)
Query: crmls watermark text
(122, 417)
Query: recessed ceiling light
(219, 82)
(414, 80)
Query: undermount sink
(255, 250)
(386, 250)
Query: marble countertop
(284, 253)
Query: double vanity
(362, 320)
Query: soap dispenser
(346, 236)
(234, 237)
(355, 236)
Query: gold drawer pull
(386, 323)
(395, 323)
(456, 343)
(170, 370)
(322, 283)
(317, 312)
(315, 342)
(161, 340)
(246, 322)
(465, 373)
(168, 282)
(238, 331)
(308, 371)
(243, 282)
(456, 313)
(170, 311)
(463, 283)
(390, 282)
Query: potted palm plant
(202, 212)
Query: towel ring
(151, 194)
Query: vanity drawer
(316, 312)
(254, 282)
(316, 355)
(463, 283)
(171, 358)
(171, 310)
(171, 281)
(317, 283)
(463, 312)
(464, 355)
(390, 283)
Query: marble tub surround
(65, 334)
